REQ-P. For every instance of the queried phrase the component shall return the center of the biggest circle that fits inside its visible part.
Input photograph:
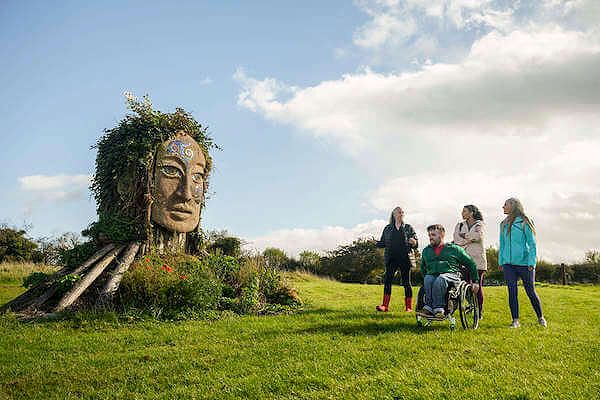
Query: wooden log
(114, 281)
(79, 270)
(41, 292)
(72, 295)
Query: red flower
(148, 268)
(167, 268)
(147, 260)
(184, 277)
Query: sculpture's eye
(198, 178)
(171, 172)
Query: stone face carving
(179, 182)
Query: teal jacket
(450, 260)
(517, 247)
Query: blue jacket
(517, 247)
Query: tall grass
(14, 272)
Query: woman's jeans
(436, 287)
(512, 273)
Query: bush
(77, 255)
(360, 262)
(221, 243)
(275, 258)
(185, 286)
(34, 279)
(14, 246)
(169, 288)
(261, 286)
(310, 261)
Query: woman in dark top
(398, 239)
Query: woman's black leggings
(390, 270)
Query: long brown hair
(516, 210)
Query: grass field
(337, 348)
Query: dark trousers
(391, 266)
(512, 273)
(480, 292)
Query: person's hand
(530, 268)
(499, 267)
(475, 287)
(412, 242)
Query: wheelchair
(459, 297)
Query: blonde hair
(392, 219)
(516, 210)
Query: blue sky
(329, 113)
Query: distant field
(337, 348)
(11, 277)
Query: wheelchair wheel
(468, 306)
(420, 298)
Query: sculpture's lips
(181, 213)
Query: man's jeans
(436, 287)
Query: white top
(472, 242)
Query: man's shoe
(542, 322)
(515, 324)
(426, 312)
(438, 313)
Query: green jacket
(450, 260)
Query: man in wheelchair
(441, 265)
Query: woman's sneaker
(542, 322)
(515, 324)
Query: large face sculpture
(179, 184)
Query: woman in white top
(469, 234)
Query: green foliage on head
(122, 183)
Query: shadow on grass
(357, 323)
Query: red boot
(386, 303)
(408, 304)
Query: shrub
(260, 287)
(35, 278)
(360, 262)
(275, 257)
(310, 261)
(77, 255)
(221, 243)
(14, 246)
(169, 288)
(183, 286)
(66, 282)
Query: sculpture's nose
(185, 188)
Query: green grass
(337, 348)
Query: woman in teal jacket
(517, 258)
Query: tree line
(358, 262)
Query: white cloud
(558, 186)
(294, 241)
(206, 81)
(514, 83)
(518, 115)
(56, 187)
